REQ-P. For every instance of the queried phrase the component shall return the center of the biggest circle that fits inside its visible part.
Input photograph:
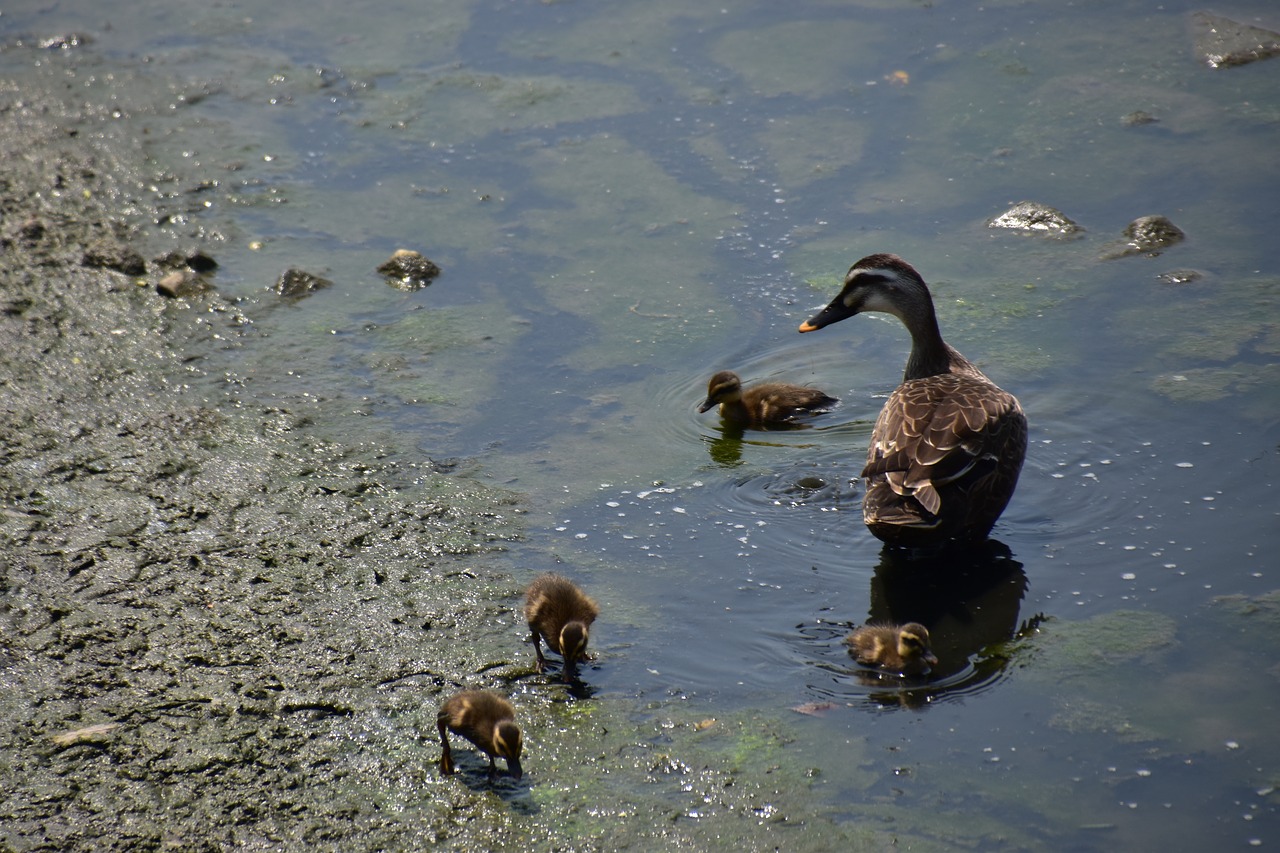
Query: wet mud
(204, 604)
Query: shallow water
(627, 198)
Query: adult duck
(948, 445)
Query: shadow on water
(969, 597)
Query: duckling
(897, 648)
(561, 614)
(763, 404)
(488, 721)
(947, 448)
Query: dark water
(626, 198)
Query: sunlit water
(627, 198)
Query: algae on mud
(202, 581)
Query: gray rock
(1146, 235)
(1036, 218)
(1180, 276)
(298, 283)
(409, 270)
(1222, 42)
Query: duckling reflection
(768, 404)
(726, 450)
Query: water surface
(628, 197)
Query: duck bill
(931, 659)
(514, 768)
(707, 405)
(833, 313)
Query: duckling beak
(514, 768)
(833, 313)
(707, 405)
(931, 659)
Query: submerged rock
(295, 283)
(1137, 118)
(409, 270)
(1036, 218)
(1180, 276)
(1222, 42)
(1146, 235)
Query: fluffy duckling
(488, 721)
(897, 648)
(766, 403)
(561, 614)
(948, 446)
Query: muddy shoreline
(204, 604)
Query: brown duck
(948, 445)
(561, 614)
(897, 648)
(763, 404)
(488, 721)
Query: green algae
(1095, 646)
(641, 278)
(1247, 383)
(814, 147)
(778, 60)
(455, 107)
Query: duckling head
(913, 645)
(724, 387)
(573, 643)
(508, 743)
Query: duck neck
(930, 355)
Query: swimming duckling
(766, 403)
(903, 649)
(488, 721)
(946, 451)
(561, 614)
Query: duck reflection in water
(968, 597)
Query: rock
(122, 259)
(409, 270)
(298, 283)
(1137, 118)
(1222, 42)
(181, 283)
(1146, 235)
(1180, 276)
(32, 231)
(195, 260)
(1036, 218)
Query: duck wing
(945, 455)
